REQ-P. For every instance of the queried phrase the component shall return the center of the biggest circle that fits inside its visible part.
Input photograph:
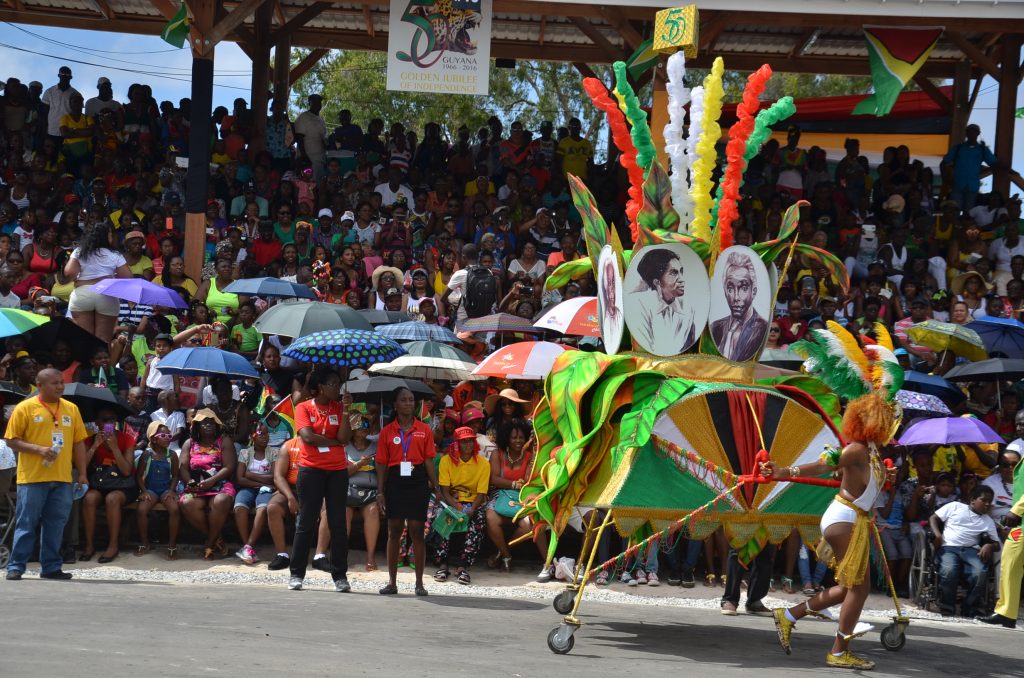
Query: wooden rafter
(299, 20)
(972, 52)
(368, 20)
(226, 25)
(16, 5)
(803, 41)
(308, 61)
(597, 37)
(584, 70)
(103, 7)
(279, 13)
(711, 29)
(629, 34)
(934, 93)
(543, 25)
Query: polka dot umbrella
(344, 348)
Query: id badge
(405, 469)
(58, 440)
(332, 420)
(323, 450)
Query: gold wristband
(794, 471)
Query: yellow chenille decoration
(704, 164)
(676, 28)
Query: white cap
(348, 216)
(102, 81)
(1016, 446)
(325, 212)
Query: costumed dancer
(1012, 568)
(868, 379)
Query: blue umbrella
(270, 287)
(1000, 335)
(206, 361)
(344, 348)
(140, 291)
(950, 431)
(932, 385)
(414, 330)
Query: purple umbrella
(950, 431)
(140, 291)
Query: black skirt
(406, 498)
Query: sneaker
(602, 578)
(342, 585)
(321, 563)
(674, 579)
(251, 553)
(729, 609)
(641, 577)
(279, 562)
(687, 581)
(295, 583)
(544, 576)
(783, 627)
(849, 660)
(56, 574)
(652, 579)
(243, 554)
(627, 579)
(13, 575)
(757, 607)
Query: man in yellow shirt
(463, 478)
(44, 431)
(574, 153)
(1011, 570)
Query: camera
(526, 290)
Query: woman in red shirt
(404, 483)
(324, 431)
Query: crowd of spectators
(376, 217)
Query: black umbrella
(83, 344)
(932, 385)
(374, 388)
(993, 369)
(10, 394)
(379, 317)
(91, 398)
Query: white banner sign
(439, 46)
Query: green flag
(896, 54)
(643, 58)
(177, 29)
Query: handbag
(109, 478)
(506, 503)
(361, 496)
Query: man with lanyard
(44, 432)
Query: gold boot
(849, 660)
(784, 627)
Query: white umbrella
(422, 367)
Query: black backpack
(481, 292)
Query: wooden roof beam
(584, 70)
(803, 42)
(368, 19)
(300, 20)
(226, 25)
(279, 13)
(934, 93)
(972, 52)
(629, 34)
(597, 37)
(308, 61)
(103, 7)
(712, 28)
(16, 5)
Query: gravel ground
(486, 585)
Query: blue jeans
(964, 197)
(44, 507)
(803, 564)
(954, 562)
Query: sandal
(773, 585)
(172, 553)
(208, 553)
(441, 575)
(221, 546)
(420, 591)
(709, 580)
(388, 590)
(725, 579)
(464, 577)
(492, 562)
(787, 585)
(370, 567)
(506, 565)
(142, 549)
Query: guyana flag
(286, 410)
(177, 29)
(896, 54)
(642, 59)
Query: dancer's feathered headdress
(835, 356)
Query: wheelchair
(925, 590)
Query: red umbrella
(576, 316)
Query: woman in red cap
(463, 479)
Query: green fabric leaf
(595, 230)
(566, 271)
(656, 211)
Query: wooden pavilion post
(1009, 73)
(263, 18)
(198, 176)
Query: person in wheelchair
(965, 542)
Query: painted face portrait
(740, 304)
(666, 299)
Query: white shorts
(84, 300)
(837, 513)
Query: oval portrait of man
(741, 299)
(609, 300)
(666, 298)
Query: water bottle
(49, 462)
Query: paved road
(113, 629)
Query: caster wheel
(563, 602)
(5, 555)
(893, 639)
(557, 645)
